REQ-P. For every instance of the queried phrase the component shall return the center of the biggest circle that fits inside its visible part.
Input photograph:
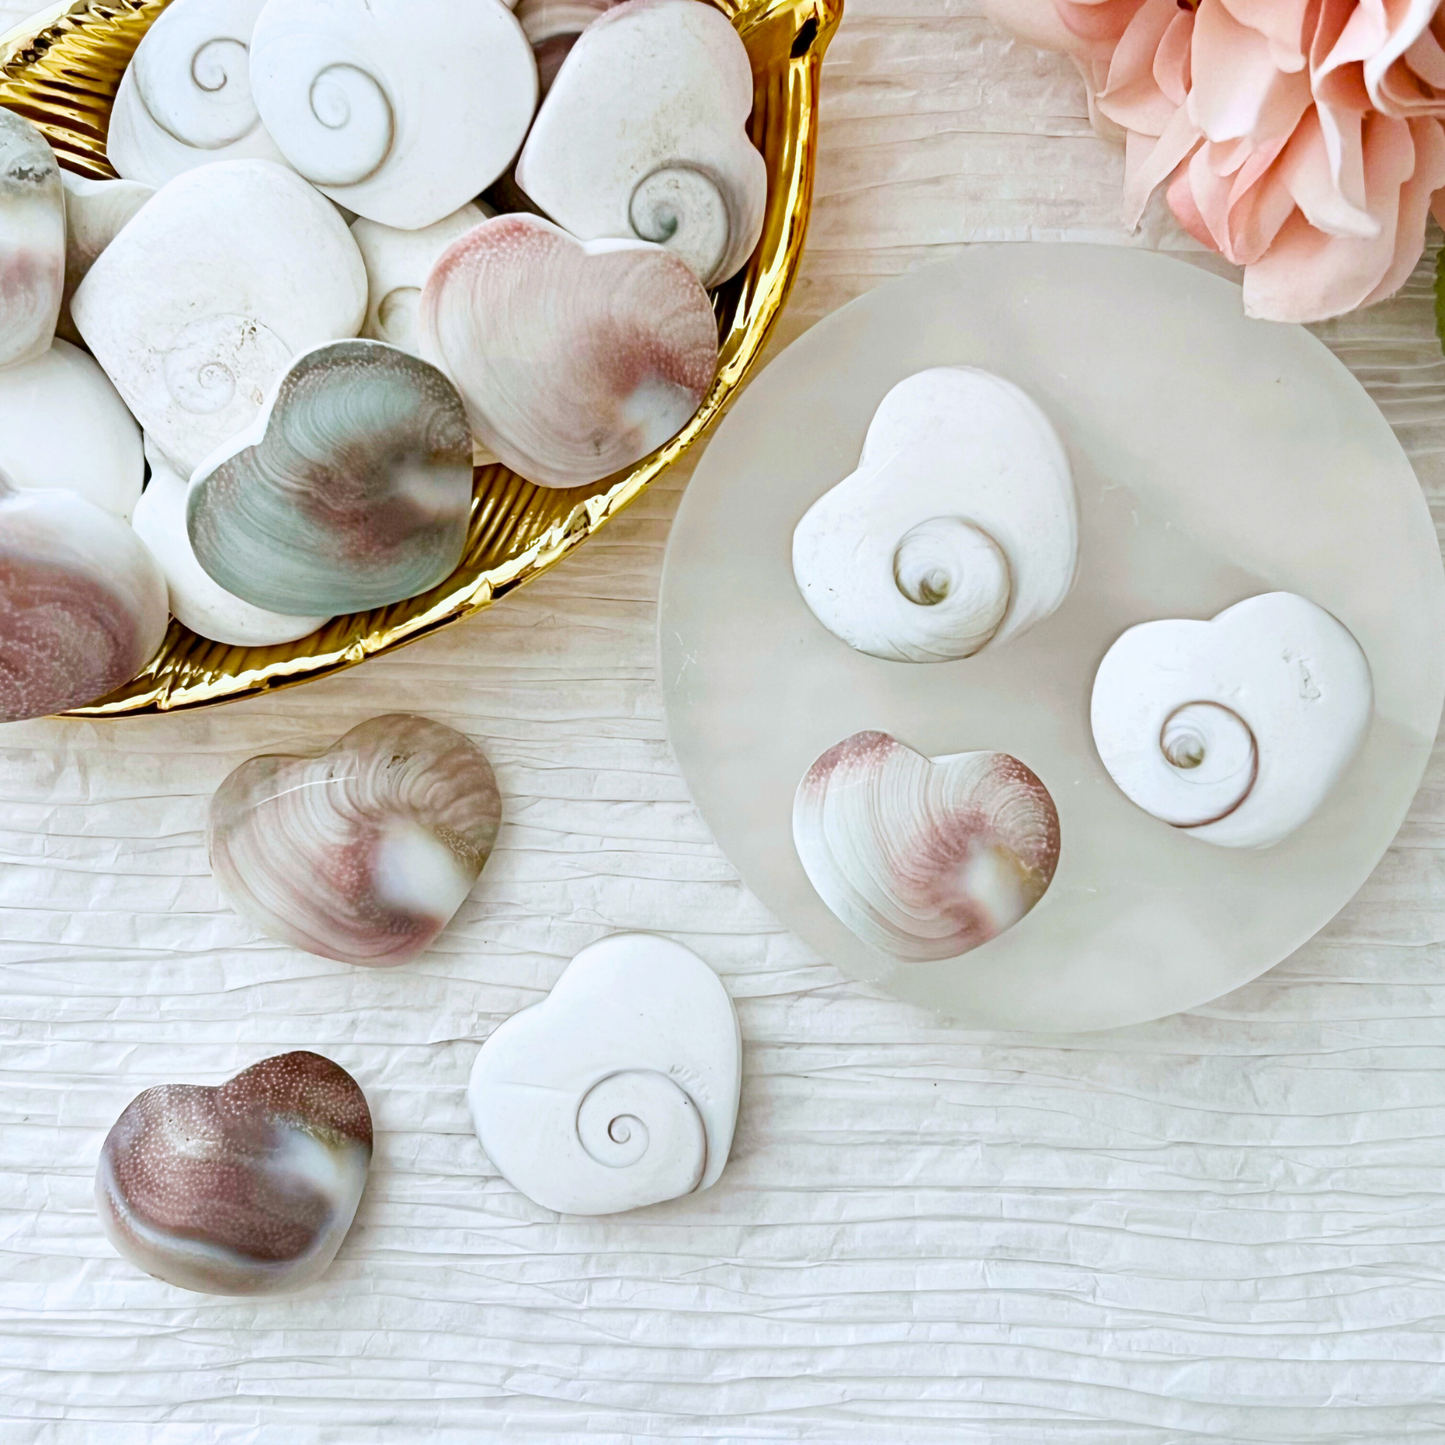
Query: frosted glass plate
(1215, 458)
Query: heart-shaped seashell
(958, 531)
(644, 134)
(363, 852)
(1237, 728)
(82, 603)
(552, 27)
(95, 214)
(398, 131)
(397, 265)
(62, 424)
(350, 490)
(248, 1188)
(574, 359)
(199, 304)
(618, 1090)
(32, 241)
(924, 858)
(185, 98)
(196, 599)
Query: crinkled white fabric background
(1222, 1227)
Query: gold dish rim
(786, 41)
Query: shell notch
(620, 1089)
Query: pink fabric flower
(1301, 139)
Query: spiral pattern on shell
(221, 361)
(1213, 759)
(685, 208)
(197, 88)
(958, 570)
(641, 1118)
(336, 121)
(363, 853)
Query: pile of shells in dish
(295, 322)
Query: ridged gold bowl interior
(61, 71)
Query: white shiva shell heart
(244, 1189)
(82, 602)
(362, 852)
(574, 359)
(552, 27)
(95, 214)
(351, 489)
(1234, 729)
(618, 1090)
(924, 858)
(185, 98)
(198, 306)
(397, 265)
(644, 134)
(32, 241)
(958, 531)
(400, 110)
(62, 424)
(197, 600)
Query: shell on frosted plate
(397, 265)
(1235, 729)
(620, 1089)
(95, 214)
(198, 305)
(82, 603)
(32, 241)
(574, 359)
(363, 852)
(355, 96)
(62, 424)
(243, 1189)
(924, 858)
(644, 134)
(196, 599)
(552, 27)
(958, 530)
(185, 98)
(350, 490)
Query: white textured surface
(1223, 1227)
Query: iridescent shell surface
(82, 602)
(924, 858)
(244, 1189)
(574, 359)
(350, 490)
(32, 241)
(364, 852)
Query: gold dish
(61, 70)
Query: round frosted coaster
(1215, 458)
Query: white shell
(185, 98)
(959, 530)
(62, 424)
(553, 26)
(196, 308)
(574, 359)
(397, 265)
(400, 110)
(643, 134)
(618, 1090)
(1237, 728)
(924, 858)
(196, 600)
(95, 214)
(32, 241)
